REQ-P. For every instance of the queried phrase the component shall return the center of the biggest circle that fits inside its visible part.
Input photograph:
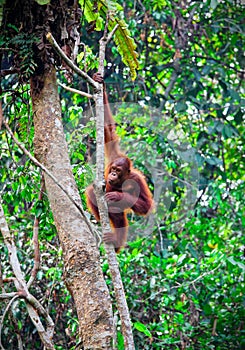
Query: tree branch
(69, 62)
(75, 91)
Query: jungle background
(181, 121)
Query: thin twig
(69, 62)
(7, 295)
(197, 279)
(112, 33)
(214, 326)
(75, 91)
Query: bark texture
(83, 274)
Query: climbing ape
(126, 188)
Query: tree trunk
(83, 274)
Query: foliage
(17, 47)
(175, 299)
(96, 16)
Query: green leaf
(142, 328)
(181, 106)
(214, 4)
(192, 251)
(42, 2)
(238, 117)
(236, 263)
(20, 325)
(120, 342)
(213, 161)
(206, 69)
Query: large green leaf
(124, 42)
(125, 45)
